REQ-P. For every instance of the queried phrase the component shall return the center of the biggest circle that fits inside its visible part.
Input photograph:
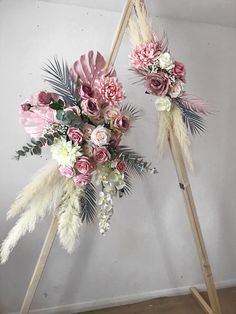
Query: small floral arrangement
(83, 122)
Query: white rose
(165, 61)
(100, 136)
(163, 103)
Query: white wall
(149, 248)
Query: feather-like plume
(193, 103)
(165, 124)
(42, 183)
(60, 80)
(69, 221)
(181, 133)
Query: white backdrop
(149, 250)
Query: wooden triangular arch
(214, 306)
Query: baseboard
(123, 300)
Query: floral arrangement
(165, 78)
(83, 122)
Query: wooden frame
(214, 307)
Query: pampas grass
(41, 183)
(69, 221)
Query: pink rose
(26, 106)
(176, 89)
(100, 136)
(82, 179)
(83, 165)
(122, 123)
(90, 107)
(158, 83)
(44, 98)
(179, 70)
(66, 171)
(111, 113)
(120, 166)
(111, 90)
(97, 120)
(86, 91)
(115, 138)
(144, 54)
(87, 130)
(75, 135)
(101, 155)
(88, 150)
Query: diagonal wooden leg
(195, 225)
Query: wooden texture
(173, 305)
(52, 231)
(194, 221)
(201, 301)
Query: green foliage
(70, 118)
(57, 105)
(35, 147)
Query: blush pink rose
(44, 98)
(158, 83)
(101, 155)
(120, 166)
(88, 150)
(82, 179)
(66, 171)
(86, 91)
(111, 113)
(179, 70)
(75, 135)
(111, 90)
(122, 123)
(176, 89)
(144, 54)
(87, 130)
(101, 136)
(83, 165)
(90, 107)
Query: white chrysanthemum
(165, 61)
(163, 103)
(65, 153)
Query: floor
(174, 305)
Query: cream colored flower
(165, 61)
(163, 103)
(65, 153)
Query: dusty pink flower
(82, 179)
(97, 120)
(100, 136)
(157, 83)
(175, 89)
(83, 165)
(90, 107)
(87, 130)
(101, 155)
(74, 109)
(66, 171)
(111, 113)
(144, 54)
(115, 138)
(44, 98)
(122, 123)
(179, 70)
(111, 90)
(88, 150)
(86, 91)
(120, 166)
(26, 105)
(75, 135)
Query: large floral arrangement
(165, 78)
(83, 122)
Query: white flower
(65, 153)
(165, 61)
(100, 136)
(163, 103)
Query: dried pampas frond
(181, 133)
(140, 29)
(69, 221)
(165, 124)
(41, 183)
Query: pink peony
(122, 123)
(158, 83)
(82, 179)
(83, 165)
(90, 107)
(144, 54)
(101, 155)
(66, 171)
(87, 130)
(100, 136)
(75, 135)
(111, 113)
(179, 70)
(88, 150)
(120, 166)
(111, 90)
